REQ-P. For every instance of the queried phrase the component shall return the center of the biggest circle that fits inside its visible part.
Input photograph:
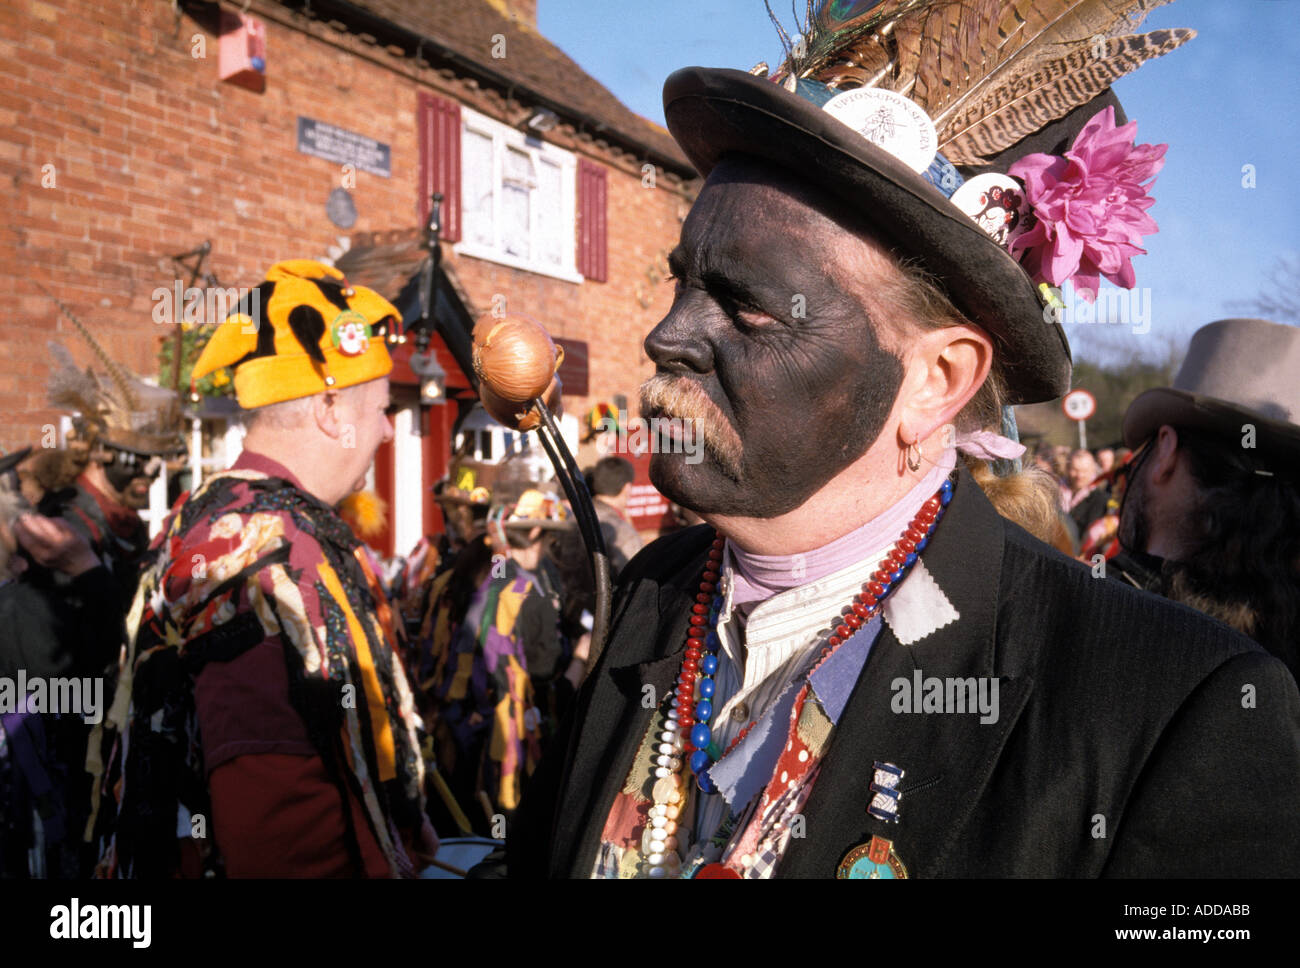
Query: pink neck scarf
(759, 577)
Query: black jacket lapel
(947, 757)
(651, 634)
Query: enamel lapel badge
(871, 861)
(876, 860)
(885, 795)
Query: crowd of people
(422, 692)
(448, 668)
(891, 647)
(428, 688)
(1089, 496)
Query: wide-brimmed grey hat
(1239, 374)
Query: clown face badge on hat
(351, 333)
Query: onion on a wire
(514, 357)
(523, 415)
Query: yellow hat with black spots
(302, 331)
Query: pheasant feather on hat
(988, 72)
(978, 138)
(117, 409)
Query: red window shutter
(439, 132)
(592, 240)
(385, 476)
(573, 371)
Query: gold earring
(913, 464)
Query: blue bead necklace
(695, 684)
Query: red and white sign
(1079, 404)
(647, 509)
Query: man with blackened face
(866, 663)
(759, 348)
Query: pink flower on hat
(1091, 206)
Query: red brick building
(124, 147)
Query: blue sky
(1225, 100)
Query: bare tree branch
(1281, 301)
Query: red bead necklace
(897, 562)
(686, 733)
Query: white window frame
(408, 473)
(504, 137)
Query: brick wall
(150, 154)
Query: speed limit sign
(1079, 404)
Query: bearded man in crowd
(858, 667)
(1211, 516)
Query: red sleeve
(278, 815)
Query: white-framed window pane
(514, 222)
(516, 201)
(476, 193)
(518, 168)
(550, 213)
(517, 198)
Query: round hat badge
(889, 121)
(350, 333)
(997, 203)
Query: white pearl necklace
(659, 842)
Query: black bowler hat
(715, 112)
